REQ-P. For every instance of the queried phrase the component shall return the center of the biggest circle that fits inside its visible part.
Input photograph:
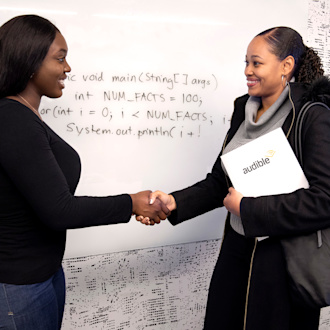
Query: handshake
(152, 207)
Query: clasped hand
(155, 210)
(162, 204)
(167, 201)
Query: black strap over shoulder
(298, 146)
(299, 124)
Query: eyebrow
(62, 51)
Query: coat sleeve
(305, 210)
(209, 193)
(201, 197)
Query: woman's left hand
(232, 201)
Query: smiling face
(263, 71)
(49, 79)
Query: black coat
(294, 213)
(268, 304)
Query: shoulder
(16, 119)
(8, 103)
(241, 100)
(317, 94)
(317, 91)
(239, 108)
(11, 110)
(238, 115)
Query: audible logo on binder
(259, 163)
(255, 172)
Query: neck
(268, 101)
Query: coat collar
(319, 91)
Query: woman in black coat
(249, 287)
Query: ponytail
(310, 67)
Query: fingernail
(151, 201)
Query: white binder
(265, 166)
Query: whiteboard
(149, 98)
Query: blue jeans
(37, 306)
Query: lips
(61, 82)
(252, 82)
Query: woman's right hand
(167, 199)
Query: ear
(288, 65)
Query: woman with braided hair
(250, 286)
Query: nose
(67, 67)
(248, 70)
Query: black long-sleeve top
(39, 173)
